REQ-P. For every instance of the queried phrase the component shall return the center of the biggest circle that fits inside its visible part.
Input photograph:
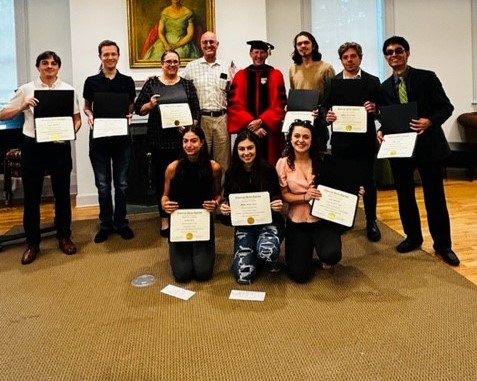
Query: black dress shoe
(30, 254)
(373, 232)
(126, 233)
(67, 246)
(408, 245)
(102, 235)
(449, 257)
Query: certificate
(104, 127)
(189, 225)
(54, 129)
(350, 119)
(248, 209)
(291, 116)
(110, 114)
(335, 206)
(175, 115)
(397, 145)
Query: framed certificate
(350, 119)
(189, 225)
(248, 209)
(110, 114)
(291, 116)
(335, 206)
(398, 145)
(175, 115)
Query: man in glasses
(358, 149)
(257, 101)
(408, 84)
(211, 79)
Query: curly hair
(314, 151)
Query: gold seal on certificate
(335, 205)
(189, 225)
(175, 114)
(397, 145)
(248, 209)
(351, 119)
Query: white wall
(440, 35)
(439, 32)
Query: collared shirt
(27, 91)
(99, 83)
(211, 89)
(357, 76)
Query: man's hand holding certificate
(335, 206)
(397, 145)
(350, 119)
(248, 209)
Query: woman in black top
(192, 182)
(248, 172)
(165, 142)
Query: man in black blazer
(357, 151)
(434, 108)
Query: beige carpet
(376, 316)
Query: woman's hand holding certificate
(247, 209)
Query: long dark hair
(236, 169)
(314, 150)
(203, 161)
(315, 53)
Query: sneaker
(273, 267)
(126, 233)
(102, 235)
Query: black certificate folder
(348, 92)
(111, 105)
(302, 100)
(53, 103)
(396, 118)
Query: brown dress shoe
(67, 246)
(30, 254)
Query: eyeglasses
(171, 62)
(397, 51)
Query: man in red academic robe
(257, 101)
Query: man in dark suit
(408, 84)
(356, 152)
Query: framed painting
(158, 25)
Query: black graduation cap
(259, 44)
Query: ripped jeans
(252, 243)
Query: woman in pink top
(299, 172)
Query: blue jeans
(252, 242)
(111, 156)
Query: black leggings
(300, 241)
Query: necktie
(402, 92)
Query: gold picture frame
(146, 18)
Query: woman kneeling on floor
(192, 182)
(248, 172)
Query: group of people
(195, 166)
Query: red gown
(259, 92)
